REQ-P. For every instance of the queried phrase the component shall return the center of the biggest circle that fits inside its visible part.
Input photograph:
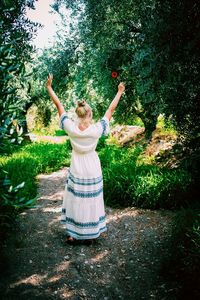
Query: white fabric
(83, 206)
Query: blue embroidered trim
(85, 179)
(104, 126)
(62, 121)
(81, 181)
(85, 235)
(86, 194)
(86, 225)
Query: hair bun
(81, 103)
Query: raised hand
(49, 80)
(121, 87)
(53, 95)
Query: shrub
(147, 186)
(30, 160)
(10, 203)
(160, 187)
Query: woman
(83, 206)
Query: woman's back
(84, 141)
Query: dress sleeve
(65, 122)
(103, 126)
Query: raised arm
(53, 95)
(115, 101)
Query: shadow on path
(125, 264)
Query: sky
(42, 15)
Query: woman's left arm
(115, 101)
(53, 95)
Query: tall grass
(33, 159)
(132, 182)
(139, 184)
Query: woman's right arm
(115, 101)
(53, 95)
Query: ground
(125, 264)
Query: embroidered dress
(83, 206)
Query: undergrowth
(18, 171)
(33, 159)
(142, 185)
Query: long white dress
(83, 209)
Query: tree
(152, 45)
(16, 31)
(111, 38)
(175, 35)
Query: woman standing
(83, 206)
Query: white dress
(83, 206)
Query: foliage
(141, 185)
(18, 186)
(175, 37)
(34, 159)
(16, 31)
(10, 201)
(154, 50)
(9, 195)
(183, 264)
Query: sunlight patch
(63, 266)
(118, 215)
(34, 279)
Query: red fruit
(114, 74)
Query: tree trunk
(149, 124)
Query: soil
(127, 263)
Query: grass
(141, 184)
(49, 131)
(29, 161)
(18, 171)
(165, 126)
(134, 177)
(131, 178)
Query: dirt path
(123, 265)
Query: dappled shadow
(124, 264)
(51, 186)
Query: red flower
(114, 74)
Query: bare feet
(70, 240)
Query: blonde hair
(83, 110)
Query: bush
(33, 159)
(147, 186)
(10, 203)
(160, 187)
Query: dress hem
(78, 236)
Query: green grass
(133, 182)
(165, 126)
(49, 131)
(31, 160)
(141, 185)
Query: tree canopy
(16, 32)
(153, 47)
(150, 45)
